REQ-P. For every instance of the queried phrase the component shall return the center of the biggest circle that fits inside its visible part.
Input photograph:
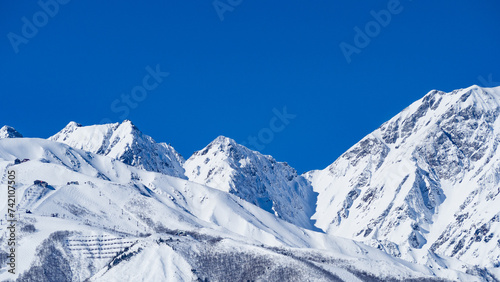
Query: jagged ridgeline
(415, 200)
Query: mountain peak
(261, 180)
(9, 132)
(124, 142)
(73, 124)
(224, 140)
(130, 124)
(416, 178)
(221, 143)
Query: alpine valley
(415, 200)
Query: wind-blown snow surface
(256, 178)
(124, 142)
(121, 223)
(426, 180)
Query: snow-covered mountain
(416, 200)
(98, 219)
(258, 179)
(124, 142)
(9, 132)
(426, 180)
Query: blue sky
(234, 66)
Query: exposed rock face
(256, 178)
(124, 142)
(427, 179)
(9, 132)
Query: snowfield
(416, 200)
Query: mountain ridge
(416, 178)
(259, 179)
(125, 142)
(422, 188)
(98, 218)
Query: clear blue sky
(226, 76)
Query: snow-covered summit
(426, 180)
(124, 142)
(423, 188)
(9, 132)
(259, 179)
(97, 219)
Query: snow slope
(256, 178)
(426, 180)
(102, 220)
(415, 200)
(124, 142)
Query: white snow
(417, 198)
(124, 142)
(416, 178)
